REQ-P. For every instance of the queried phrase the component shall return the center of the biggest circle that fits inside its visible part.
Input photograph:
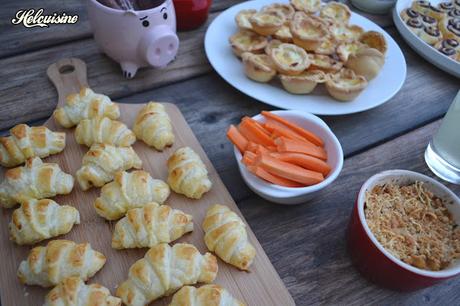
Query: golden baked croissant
(153, 126)
(35, 179)
(25, 142)
(150, 225)
(163, 270)
(72, 291)
(83, 105)
(102, 161)
(188, 174)
(206, 295)
(37, 220)
(129, 190)
(104, 130)
(48, 265)
(225, 235)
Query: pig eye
(145, 23)
(165, 16)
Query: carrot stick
(248, 158)
(252, 146)
(267, 176)
(257, 124)
(252, 133)
(236, 138)
(303, 132)
(280, 130)
(288, 145)
(304, 161)
(288, 171)
(262, 150)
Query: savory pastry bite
(72, 291)
(207, 295)
(153, 126)
(129, 190)
(450, 28)
(421, 6)
(345, 85)
(165, 269)
(242, 19)
(226, 236)
(449, 52)
(85, 105)
(258, 67)
(267, 22)
(290, 59)
(102, 161)
(336, 11)
(446, 6)
(374, 40)
(307, 32)
(346, 48)
(307, 6)
(285, 9)
(36, 179)
(187, 174)
(284, 33)
(274, 43)
(430, 35)
(415, 25)
(435, 13)
(103, 130)
(409, 13)
(150, 225)
(428, 21)
(324, 63)
(366, 62)
(327, 46)
(303, 83)
(37, 220)
(448, 43)
(25, 142)
(247, 41)
(343, 32)
(48, 265)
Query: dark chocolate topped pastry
(446, 6)
(414, 23)
(447, 51)
(429, 20)
(432, 31)
(454, 13)
(421, 6)
(411, 13)
(450, 43)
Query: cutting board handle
(68, 75)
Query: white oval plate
(425, 50)
(381, 89)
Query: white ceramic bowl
(287, 195)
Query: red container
(190, 14)
(377, 264)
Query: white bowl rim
(279, 192)
(372, 181)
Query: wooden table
(306, 243)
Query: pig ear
(131, 12)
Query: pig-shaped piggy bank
(135, 38)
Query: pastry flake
(267, 22)
(274, 43)
(247, 41)
(324, 63)
(345, 85)
(104, 130)
(303, 83)
(346, 48)
(336, 11)
(242, 19)
(258, 67)
(306, 6)
(284, 33)
(206, 295)
(290, 59)
(285, 9)
(342, 32)
(307, 32)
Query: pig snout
(159, 46)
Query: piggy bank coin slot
(66, 69)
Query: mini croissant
(26, 142)
(83, 105)
(163, 270)
(225, 235)
(188, 174)
(153, 126)
(129, 190)
(206, 295)
(102, 161)
(37, 220)
(72, 291)
(47, 266)
(35, 179)
(150, 225)
(104, 130)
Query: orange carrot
(252, 133)
(236, 138)
(252, 146)
(267, 176)
(288, 171)
(303, 132)
(262, 150)
(248, 158)
(280, 130)
(289, 145)
(257, 124)
(304, 161)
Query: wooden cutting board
(261, 286)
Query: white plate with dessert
(286, 63)
(432, 29)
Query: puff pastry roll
(150, 225)
(188, 174)
(127, 191)
(83, 105)
(153, 126)
(37, 220)
(48, 265)
(104, 130)
(225, 235)
(35, 179)
(163, 270)
(72, 291)
(25, 142)
(102, 161)
(206, 295)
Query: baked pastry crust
(450, 28)
(366, 62)
(428, 20)
(285, 9)
(284, 33)
(303, 83)
(336, 11)
(344, 32)
(290, 59)
(258, 67)
(409, 13)
(435, 12)
(415, 25)
(346, 48)
(25, 142)
(104, 130)
(421, 6)
(207, 295)
(272, 44)
(267, 22)
(327, 46)
(446, 6)
(307, 6)
(165, 269)
(242, 19)
(307, 32)
(430, 35)
(48, 265)
(324, 63)
(247, 41)
(374, 39)
(448, 43)
(345, 85)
